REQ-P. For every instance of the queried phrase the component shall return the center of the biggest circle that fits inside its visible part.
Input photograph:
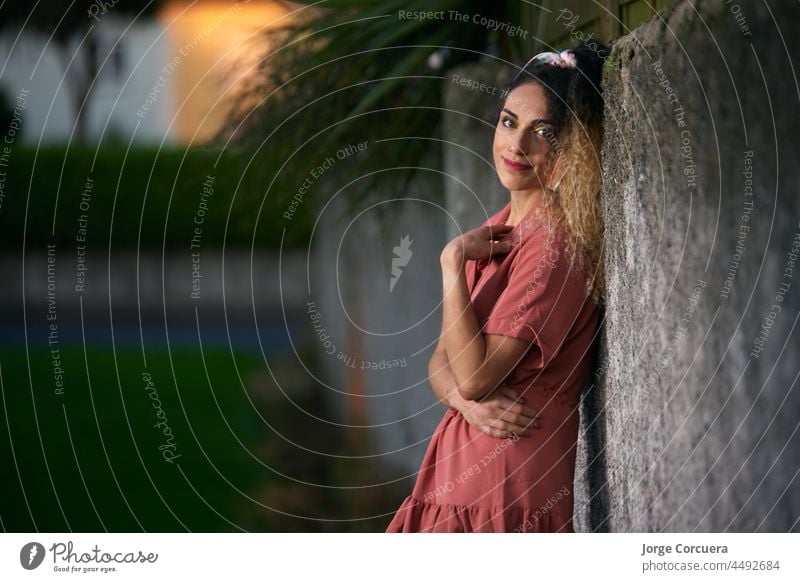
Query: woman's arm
(501, 414)
(479, 362)
(441, 379)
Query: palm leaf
(373, 69)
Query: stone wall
(692, 426)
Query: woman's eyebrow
(535, 121)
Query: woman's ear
(557, 173)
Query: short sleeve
(542, 298)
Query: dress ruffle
(419, 516)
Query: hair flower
(567, 59)
(564, 59)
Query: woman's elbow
(472, 390)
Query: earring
(557, 184)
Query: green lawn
(89, 460)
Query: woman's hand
(478, 244)
(502, 414)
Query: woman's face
(523, 139)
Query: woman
(520, 316)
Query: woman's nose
(516, 144)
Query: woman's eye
(542, 131)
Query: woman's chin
(515, 183)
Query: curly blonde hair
(575, 104)
(576, 204)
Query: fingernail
(536, 424)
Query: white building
(162, 77)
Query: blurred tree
(6, 111)
(66, 23)
(347, 71)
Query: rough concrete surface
(693, 425)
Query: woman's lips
(515, 167)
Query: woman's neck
(521, 203)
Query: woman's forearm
(442, 380)
(463, 341)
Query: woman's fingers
(508, 427)
(499, 235)
(516, 406)
(497, 229)
(520, 421)
(495, 432)
(492, 432)
(505, 415)
(486, 241)
(518, 413)
(500, 247)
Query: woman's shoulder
(542, 232)
(548, 244)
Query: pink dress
(472, 482)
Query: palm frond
(348, 71)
